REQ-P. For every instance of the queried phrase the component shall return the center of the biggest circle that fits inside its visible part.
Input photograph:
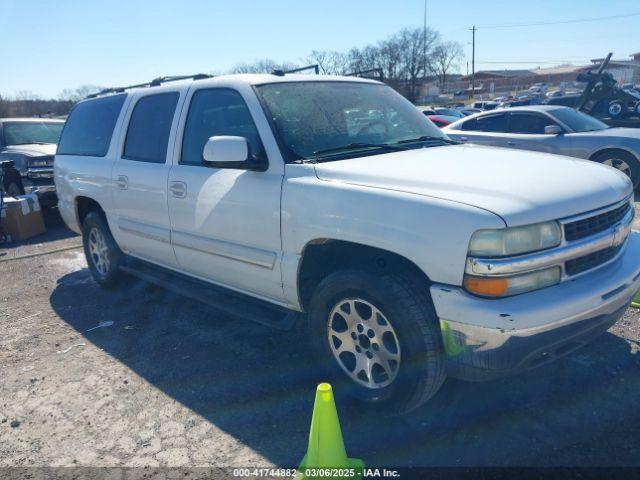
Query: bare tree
(329, 62)
(416, 51)
(445, 57)
(262, 66)
(77, 94)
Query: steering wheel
(373, 123)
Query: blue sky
(51, 45)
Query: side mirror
(552, 130)
(230, 152)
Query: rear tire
(389, 320)
(623, 161)
(103, 255)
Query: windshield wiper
(357, 146)
(427, 138)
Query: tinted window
(528, 123)
(89, 127)
(23, 133)
(490, 123)
(149, 128)
(213, 112)
(578, 121)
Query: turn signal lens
(487, 287)
(513, 285)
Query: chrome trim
(593, 213)
(613, 237)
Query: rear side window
(90, 126)
(490, 123)
(149, 128)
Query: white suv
(411, 257)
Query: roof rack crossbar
(366, 73)
(153, 83)
(281, 73)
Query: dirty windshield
(320, 118)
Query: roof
(234, 80)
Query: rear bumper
(491, 338)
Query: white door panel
(227, 227)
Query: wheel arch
(84, 205)
(607, 149)
(322, 256)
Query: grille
(596, 224)
(582, 264)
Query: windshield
(22, 133)
(578, 121)
(315, 117)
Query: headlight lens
(512, 285)
(513, 241)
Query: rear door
(226, 222)
(488, 129)
(526, 132)
(139, 178)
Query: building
(506, 81)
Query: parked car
(31, 144)
(469, 111)
(411, 257)
(484, 105)
(554, 129)
(441, 121)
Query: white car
(410, 257)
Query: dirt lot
(173, 383)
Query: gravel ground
(173, 383)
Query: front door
(140, 176)
(225, 223)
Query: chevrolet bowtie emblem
(619, 234)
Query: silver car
(553, 129)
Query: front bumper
(46, 192)
(489, 338)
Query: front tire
(378, 338)
(623, 161)
(616, 109)
(103, 255)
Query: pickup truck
(31, 144)
(333, 203)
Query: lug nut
(360, 328)
(370, 334)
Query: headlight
(513, 241)
(512, 285)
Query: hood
(521, 187)
(33, 149)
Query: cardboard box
(21, 217)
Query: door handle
(511, 144)
(463, 139)
(178, 189)
(122, 182)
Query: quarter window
(89, 128)
(149, 128)
(215, 112)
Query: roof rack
(153, 83)
(282, 73)
(379, 74)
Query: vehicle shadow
(257, 384)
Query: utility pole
(424, 41)
(473, 62)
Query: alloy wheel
(364, 343)
(619, 165)
(99, 251)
